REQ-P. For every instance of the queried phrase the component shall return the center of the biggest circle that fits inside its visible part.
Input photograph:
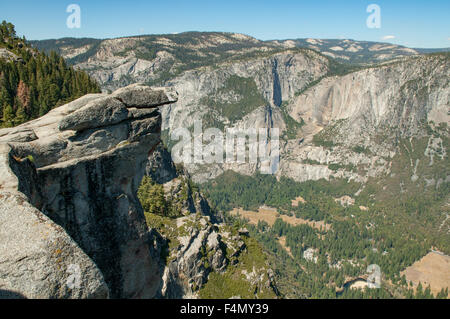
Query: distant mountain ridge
(360, 52)
(345, 50)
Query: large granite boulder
(71, 225)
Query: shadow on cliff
(7, 294)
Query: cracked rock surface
(68, 187)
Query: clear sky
(412, 23)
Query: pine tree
(21, 115)
(8, 116)
(152, 198)
(419, 291)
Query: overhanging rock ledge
(71, 225)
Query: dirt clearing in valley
(433, 269)
(270, 215)
(299, 199)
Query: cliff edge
(71, 225)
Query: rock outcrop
(9, 56)
(178, 188)
(71, 225)
(160, 166)
(195, 249)
(200, 251)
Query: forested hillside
(32, 82)
(354, 234)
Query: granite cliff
(351, 121)
(71, 223)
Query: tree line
(32, 82)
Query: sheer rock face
(371, 108)
(400, 94)
(391, 99)
(277, 77)
(68, 186)
(160, 166)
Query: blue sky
(412, 23)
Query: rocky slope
(362, 115)
(196, 245)
(121, 61)
(353, 110)
(69, 198)
(219, 97)
(232, 80)
(200, 257)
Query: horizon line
(228, 32)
